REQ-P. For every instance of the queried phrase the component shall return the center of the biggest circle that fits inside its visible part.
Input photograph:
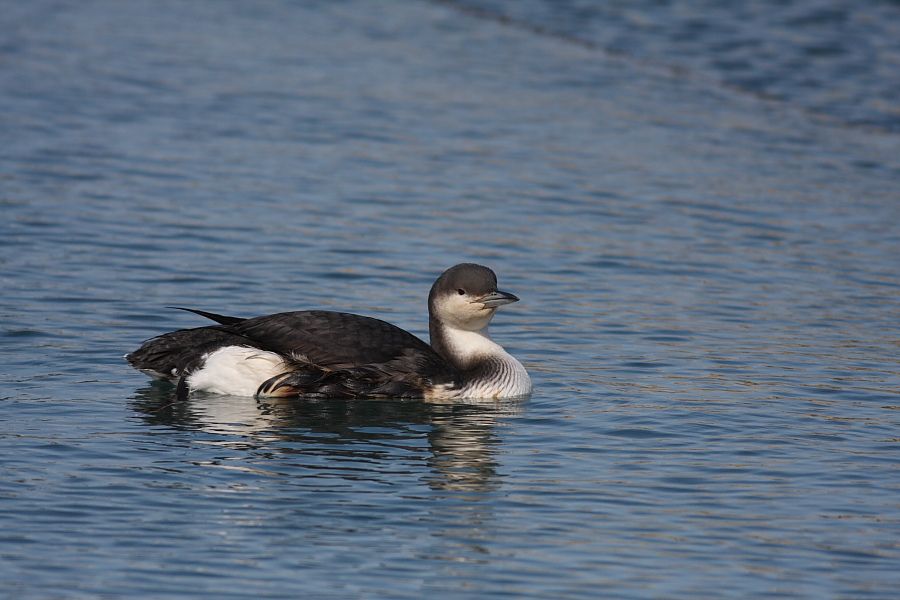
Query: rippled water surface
(710, 285)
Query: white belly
(236, 371)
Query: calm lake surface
(705, 243)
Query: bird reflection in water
(460, 438)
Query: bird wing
(331, 339)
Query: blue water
(835, 60)
(708, 272)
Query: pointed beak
(498, 298)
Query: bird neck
(463, 348)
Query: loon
(341, 355)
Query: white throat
(469, 346)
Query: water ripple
(709, 320)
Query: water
(709, 283)
(833, 59)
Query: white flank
(236, 371)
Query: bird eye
(461, 292)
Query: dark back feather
(330, 339)
(174, 353)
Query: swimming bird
(341, 355)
